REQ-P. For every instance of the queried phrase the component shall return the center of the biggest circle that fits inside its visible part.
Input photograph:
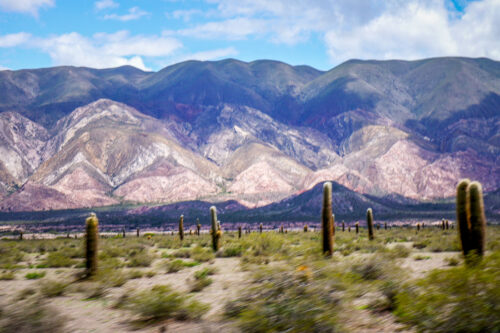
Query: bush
(141, 259)
(10, 275)
(177, 265)
(57, 260)
(201, 254)
(284, 303)
(160, 302)
(53, 288)
(459, 299)
(398, 251)
(233, 250)
(32, 318)
(34, 275)
(201, 279)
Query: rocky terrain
(257, 133)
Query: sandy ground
(98, 315)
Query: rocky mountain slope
(255, 133)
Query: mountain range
(261, 134)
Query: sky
(152, 34)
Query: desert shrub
(161, 302)
(373, 268)
(445, 243)
(452, 261)
(205, 272)
(177, 265)
(150, 274)
(52, 288)
(200, 283)
(233, 250)
(25, 293)
(421, 257)
(29, 317)
(202, 254)
(458, 299)
(111, 278)
(265, 244)
(10, 255)
(57, 260)
(140, 259)
(201, 279)
(34, 275)
(284, 303)
(182, 253)
(135, 274)
(398, 251)
(7, 275)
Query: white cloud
(25, 6)
(232, 29)
(134, 13)
(13, 40)
(361, 28)
(105, 4)
(208, 55)
(184, 15)
(420, 30)
(101, 51)
(4, 68)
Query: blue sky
(322, 33)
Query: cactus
(385, 225)
(198, 227)
(138, 232)
(91, 246)
(442, 224)
(260, 227)
(357, 227)
(215, 231)
(369, 223)
(181, 228)
(476, 218)
(327, 219)
(471, 221)
(418, 227)
(239, 231)
(349, 228)
(305, 228)
(123, 233)
(20, 235)
(343, 226)
(462, 223)
(447, 224)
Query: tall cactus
(138, 231)
(306, 228)
(215, 231)
(91, 246)
(369, 223)
(260, 227)
(239, 231)
(476, 218)
(471, 221)
(198, 227)
(385, 225)
(357, 227)
(343, 226)
(327, 219)
(181, 228)
(462, 223)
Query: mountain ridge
(255, 132)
